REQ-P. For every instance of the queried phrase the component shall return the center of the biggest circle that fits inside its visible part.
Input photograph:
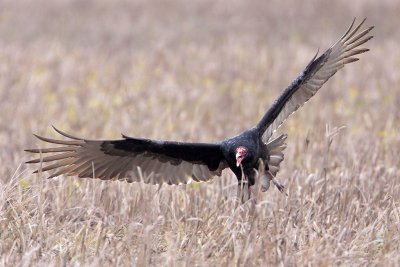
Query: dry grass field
(199, 71)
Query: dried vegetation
(199, 71)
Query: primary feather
(132, 159)
(317, 72)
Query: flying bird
(157, 162)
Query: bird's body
(158, 162)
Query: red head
(241, 153)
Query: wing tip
(37, 136)
(350, 60)
(65, 134)
(352, 30)
(125, 136)
(76, 142)
(53, 175)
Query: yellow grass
(199, 71)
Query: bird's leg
(264, 179)
(251, 178)
(278, 184)
(267, 178)
(265, 182)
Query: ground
(199, 71)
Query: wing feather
(131, 159)
(317, 72)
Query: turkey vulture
(156, 162)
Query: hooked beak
(239, 158)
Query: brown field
(199, 71)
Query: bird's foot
(278, 184)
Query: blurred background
(191, 70)
(201, 71)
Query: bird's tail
(275, 149)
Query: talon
(278, 185)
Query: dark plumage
(157, 162)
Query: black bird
(157, 162)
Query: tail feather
(275, 159)
(275, 149)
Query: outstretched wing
(131, 159)
(317, 72)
